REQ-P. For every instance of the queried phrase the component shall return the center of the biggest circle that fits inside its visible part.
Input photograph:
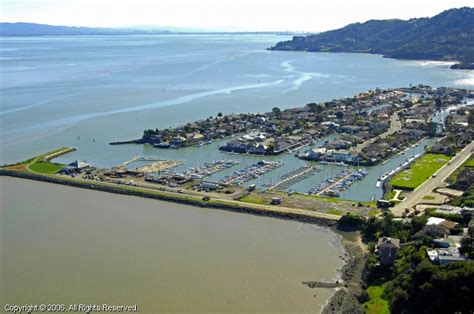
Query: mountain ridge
(448, 36)
(35, 29)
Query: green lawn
(336, 212)
(374, 212)
(428, 197)
(45, 167)
(469, 162)
(253, 199)
(376, 305)
(419, 172)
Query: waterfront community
(365, 130)
(429, 192)
(213, 175)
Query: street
(429, 185)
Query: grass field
(253, 199)
(376, 305)
(469, 162)
(374, 212)
(45, 167)
(335, 212)
(41, 164)
(419, 172)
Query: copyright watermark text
(76, 308)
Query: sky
(223, 15)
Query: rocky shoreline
(351, 286)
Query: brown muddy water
(66, 245)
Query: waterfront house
(74, 167)
(178, 141)
(319, 154)
(339, 144)
(342, 155)
(79, 165)
(388, 250)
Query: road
(395, 126)
(429, 185)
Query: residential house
(388, 250)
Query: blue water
(85, 91)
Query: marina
(332, 186)
(209, 169)
(392, 172)
(159, 166)
(254, 171)
(294, 177)
(151, 165)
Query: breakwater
(281, 213)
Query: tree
(188, 127)
(470, 118)
(219, 114)
(466, 246)
(418, 222)
(276, 111)
(432, 129)
(351, 222)
(340, 115)
(314, 107)
(438, 103)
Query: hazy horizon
(213, 15)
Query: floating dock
(252, 172)
(294, 177)
(340, 182)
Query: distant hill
(448, 36)
(32, 29)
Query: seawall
(182, 199)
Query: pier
(340, 182)
(210, 168)
(156, 166)
(294, 177)
(252, 172)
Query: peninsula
(369, 127)
(448, 36)
(431, 193)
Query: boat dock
(139, 158)
(340, 182)
(210, 168)
(392, 172)
(252, 172)
(156, 165)
(294, 177)
(159, 166)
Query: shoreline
(347, 280)
(348, 285)
(344, 298)
(300, 215)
